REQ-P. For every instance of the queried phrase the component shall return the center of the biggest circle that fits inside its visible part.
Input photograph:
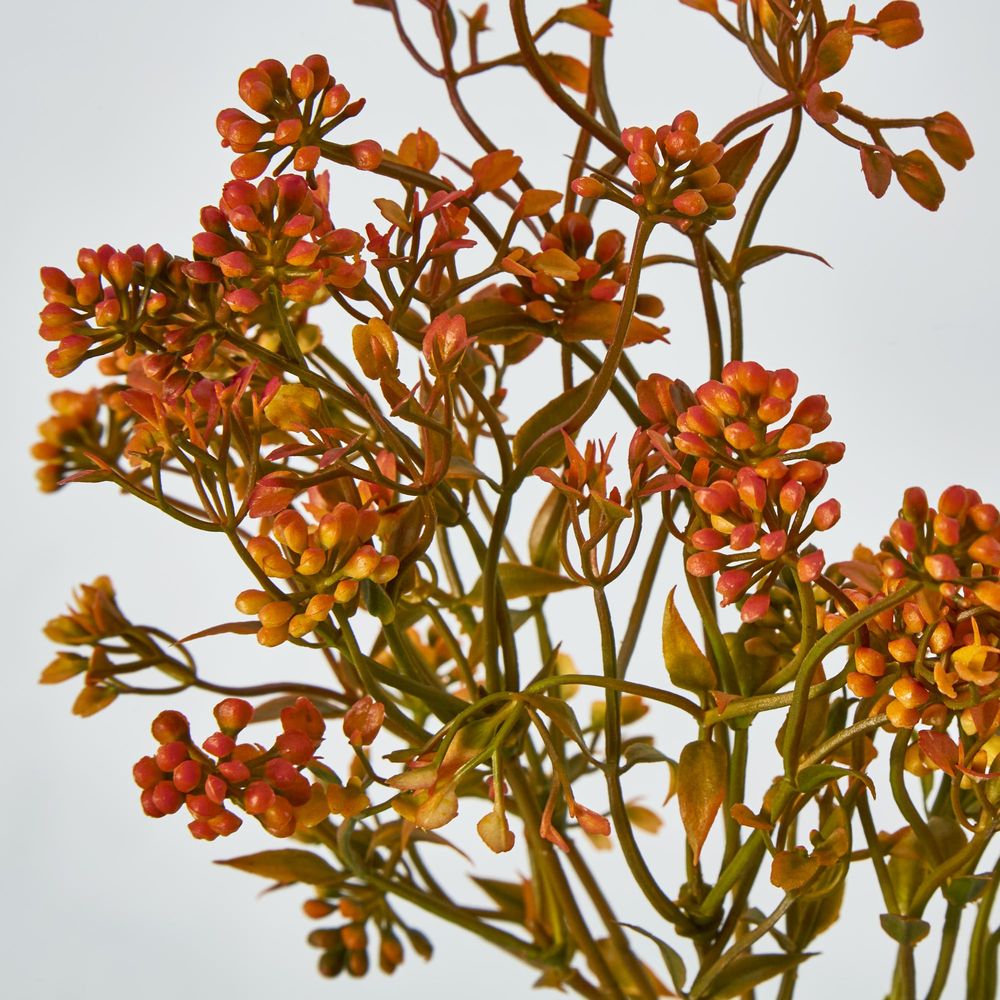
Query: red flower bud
(755, 607)
(233, 714)
(258, 798)
(731, 585)
(169, 755)
(187, 776)
(146, 773)
(826, 515)
(772, 545)
(703, 564)
(810, 567)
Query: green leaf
(811, 778)
(904, 930)
(966, 889)
(701, 787)
(377, 602)
(671, 959)
(553, 415)
(288, 865)
(518, 580)
(755, 256)
(509, 896)
(644, 753)
(737, 161)
(686, 664)
(743, 974)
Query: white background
(109, 110)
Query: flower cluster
(752, 478)
(300, 108)
(575, 280)
(276, 232)
(265, 783)
(329, 560)
(937, 651)
(81, 423)
(674, 174)
(118, 295)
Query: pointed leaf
(877, 168)
(743, 974)
(671, 959)
(701, 787)
(235, 628)
(593, 320)
(737, 161)
(553, 415)
(288, 865)
(518, 580)
(811, 778)
(755, 256)
(940, 748)
(686, 664)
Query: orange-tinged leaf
(294, 407)
(701, 787)
(495, 833)
(441, 807)
(708, 6)
(686, 664)
(593, 320)
(62, 668)
(537, 201)
(347, 800)
(492, 171)
(898, 24)
(557, 264)
(419, 149)
(569, 71)
(791, 870)
(643, 818)
(285, 866)
(833, 52)
(939, 748)
(225, 628)
(920, 179)
(92, 700)
(743, 815)
(586, 17)
(877, 167)
(392, 212)
(737, 161)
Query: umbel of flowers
(336, 406)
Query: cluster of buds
(266, 783)
(329, 561)
(938, 652)
(674, 173)
(74, 429)
(345, 948)
(275, 232)
(752, 477)
(575, 281)
(93, 617)
(108, 307)
(300, 108)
